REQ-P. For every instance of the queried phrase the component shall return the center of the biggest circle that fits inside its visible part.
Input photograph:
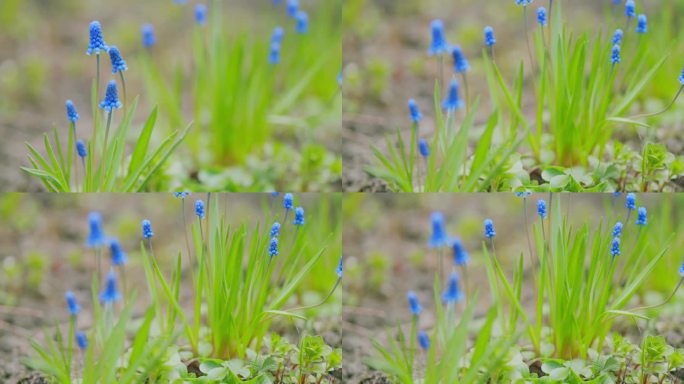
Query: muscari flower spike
(617, 229)
(72, 114)
(524, 3)
(541, 208)
(439, 236)
(201, 14)
(615, 55)
(541, 16)
(275, 229)
(423, 340)
(273, 247)
(199, 209)
(681, 270)
(119, 257)
(96, 238)
(110, 293)
(72, 304)
(118, 63)
(489, 38)
(423, 148)
(81, 149)
(81, 340)
(461, 65)
(414, 111)
(274, 54)
(461, 256)
(642, 218)
(148, 37)
(288, 202)
(302, 22)
(617, 36)
(147, 229)
(338, 271)
(299, 217)
(616, 2)
(292, 7)
(181, 195)
(630, 9)
(414, 305)
(453, 101)
(489, 229)
(439, 44)
(278, 34)
(681, 78)
(97, 42)
(630, 201)
(642, 24)
(111, 100)
(615, 247)
(453, 293)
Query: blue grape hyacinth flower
(96, 238)
(299, 217)
(615, 55)
(302, 26)
(181, 195)
(617, 36)
(541, 209)
(277, 35)
(274, 54)
(72, 304)
(681, 270)
(292, 8)
(642, 218)
(147, 229)
(288, 202)
(681, 78)
(423, 340)
(119, 257)
(439, 44)
(489, 229)
(453, 100)
(148, 37)
(461, 64)
(118, 63)
(630, 9)
(111, 99)
(524, 3)
(489, 38)
(423, 148)
(642, 24)
(338, 271)
(439, 236)
(97, 42)
(273, 247)
(615, 247)
(617, 229)
(453, 293)
(72, 114)
(414, 304)
(541, 16)
(199, 209)
(110, 293)
(630, 201)
(81, 340)
(275, 229)
(81, 149)
(461, 256)
(201, 14)
(414, 111)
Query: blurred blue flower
(615, 247)
(642, 24)
(489, 229)
(414, 111)
(72, 114)
(118, 63)
(617, 229)
(630, 9)
(288, 202)
(461, 256)
(453, 293)
(681, 270)
(423, 148)
(273, 247)
(439, 236)
(615, 55)
(339, 269)
(524, 3)
(119, 257)
(630, 201)
(199, 209)
(642, 218)
(96, 238)
(72, 304)
(681, 78)
(299, 217)
(81, 149)
(617, 36)
(148, 37)
(181, 195)
(453, 101)
(201, 14)
(302, 22)
(110, 293)
(274, 54)
(81, 340)
(461, 65)
(414, 305)
(111, 99)
(275, 229)
(147, 229)
(489, 37)
(423, 340)
(541, 208)
(97, 42)
(277, 35)
(541, 16)
(439, 44)
(292, 7)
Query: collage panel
(161, 96)
(505, 288)
(503, 95)
(170, 288)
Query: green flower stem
(104, 149)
